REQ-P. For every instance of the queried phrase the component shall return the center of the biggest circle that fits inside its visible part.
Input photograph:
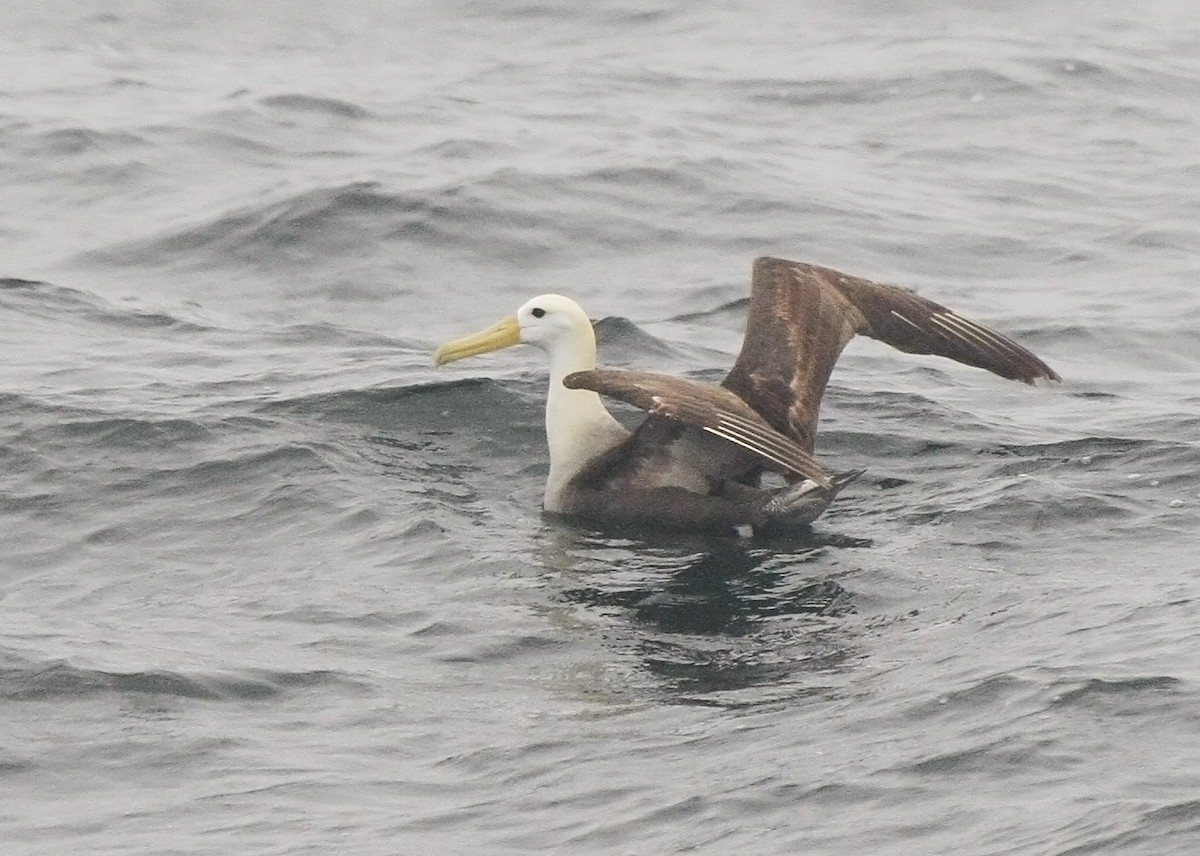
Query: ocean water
(270, 583)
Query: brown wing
(706, 406)
(802, 315)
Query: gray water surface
(271, 583)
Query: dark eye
(537, 312)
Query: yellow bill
(503, 334)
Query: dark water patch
(60, 681)
(1160, 830)
(104, 18)
(301, 230)
(521, 216)
(439, 441)
(1093, 395)
(889, 401)
(1074, 67)
(1180, 239)
(1175, 431)
(456, 405)
(617, 15)
(763, 669)
(43, 288)
(672, 201)
(330, 334)
(501, 651)
(609, 208)
(1125, 697)
(86, 166)
(1121, 74)
(726, 588)
(230, 474)
(404, 444)
(31, 504)
(50, 302)
(12, 764)
(1127, 461)
(440, 629)
(297, 229)
(1084, 450)
(730, 315)
(231, 132)
(466, 149)
(333, 107)
(320, 616)
(684, 178)
(69, 142)
(789, 93)
(625, 343)
(1024, 503)
(59, 147)
(629, 343)
(1000, 690)
(123, 82)
(1169, 346)
(826, 598)
(1011, 755)
(530, 762)
(28, 414)
(860, 447)
(694, 670)
(1015, 486)
(125, 433)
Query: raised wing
(706, 406)
(802, 315)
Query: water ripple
(60, 681)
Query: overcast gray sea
(270, 583)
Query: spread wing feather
(708, 407)
(801, 316)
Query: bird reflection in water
(714, 618)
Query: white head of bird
(551, 322)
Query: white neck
(578, 427)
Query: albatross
(697, 460)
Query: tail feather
(799, 504)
